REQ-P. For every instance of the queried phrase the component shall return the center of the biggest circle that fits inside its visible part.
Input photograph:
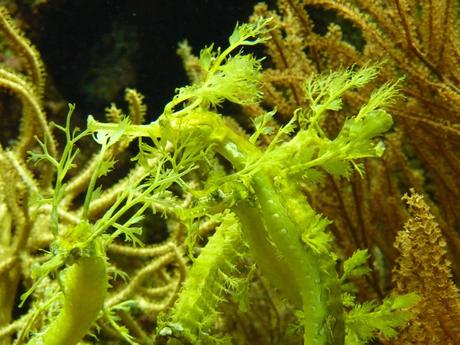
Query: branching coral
(424, 267)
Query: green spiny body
(306, 274)
(314, 274)
(210, 278)
(271, 226)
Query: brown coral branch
(424, 267)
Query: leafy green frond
(257, 30)
(113, 319)
(311, 148)
(107, 138)
(348, 300)
(365, 320)
(208, 56)
(284, 131)
(356, 265)
(129, 231)
(235, 78)
(62, 165)
(139, 193)
(37, 157)
(315, 234)
(116, 273)
(40, 272)
(237, 81)
(381, 98)
(324, 92)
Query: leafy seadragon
(286, 237)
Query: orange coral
(423, 267)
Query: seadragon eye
(74, 254)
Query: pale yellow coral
(424, 267)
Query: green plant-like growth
(251, 190)
(286, 238)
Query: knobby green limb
(274, 237)
(85, 287)
(274, 267)
(314, 273)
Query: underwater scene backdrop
(230, 172)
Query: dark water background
(93, 50)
